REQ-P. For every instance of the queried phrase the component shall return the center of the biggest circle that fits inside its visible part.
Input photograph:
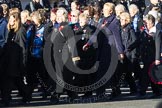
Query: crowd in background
(43, 41)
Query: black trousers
(145, 80)
(8, 82)
(36, 73)
(124, 73)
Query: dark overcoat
(15, 54)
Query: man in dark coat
(128, 38)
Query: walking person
(14, 61)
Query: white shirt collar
(152, 30)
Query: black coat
(87, 58)
(149, 46)
(62, 46)
(15, 53)
(48, 59)
(128, 38)
(158, 42)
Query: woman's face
(74, 17)
(23, 18)
(149, 24)
(118, 12)
(106, 11)
(35, 20)
(132, 12)
(12, 20)
(53, 17)
(82, 22)
(59, 18)
(86, 12)
(74, 6)
(123, 21)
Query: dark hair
(1, 10)
(90, 10)
(76, 2)
(151, 18)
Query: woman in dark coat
(50, 29)
(87, 58)
(63, 43)
(14, 59)
(128, 38)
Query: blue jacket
(3, 31)
(37, 47)
(113, 26)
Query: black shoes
(155, 95)
(114, 95)
(87, 95)
(142, 95)
(55, 98)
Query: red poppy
(60, 28)
(142, 28)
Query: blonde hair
(62, 11)
(127, 16)
(27, 13)
(120, 7)
(90, 9)
(111, 6)
(82, 15)
(76, 12)
(14, 10)
(17, 24)
(133, 7)
(39, 16)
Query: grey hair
(134, 7)
(63, 12)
